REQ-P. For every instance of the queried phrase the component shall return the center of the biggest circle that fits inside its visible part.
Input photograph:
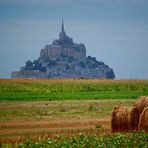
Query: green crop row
(22, 96)
(136, 140)
(67, 90)
(73, 87)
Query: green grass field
(73, 89)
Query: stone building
(64, 59)
(64, 47)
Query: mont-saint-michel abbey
(64, 59)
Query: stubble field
(39, 109)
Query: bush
(139, 139)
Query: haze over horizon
(114, 31)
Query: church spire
(62, 26)
(62, 33)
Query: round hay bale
(143, 121)
(141, 103)
(124, 119)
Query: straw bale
(141, 103)
(124, 119)
(143, 121)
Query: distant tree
(43, 69)
(36, 65)
(82, 64)
(95, 65)
(100, 63)
(46, 59)
(92, 58)
(29, 65)
(110, 74)
(70, 59)
(35, 62)
(51, 63)
(89, 57)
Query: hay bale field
(143, 121)
(141, 103)
(124, 119)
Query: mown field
(66, 113)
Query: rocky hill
(64, 59)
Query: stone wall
(53, 52)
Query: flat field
(71, 89)
(38, 109)
(21, 120)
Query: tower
(62, 26)
(62, 34)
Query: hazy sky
(114, 31)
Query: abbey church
(64, 59)
(64, 47)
